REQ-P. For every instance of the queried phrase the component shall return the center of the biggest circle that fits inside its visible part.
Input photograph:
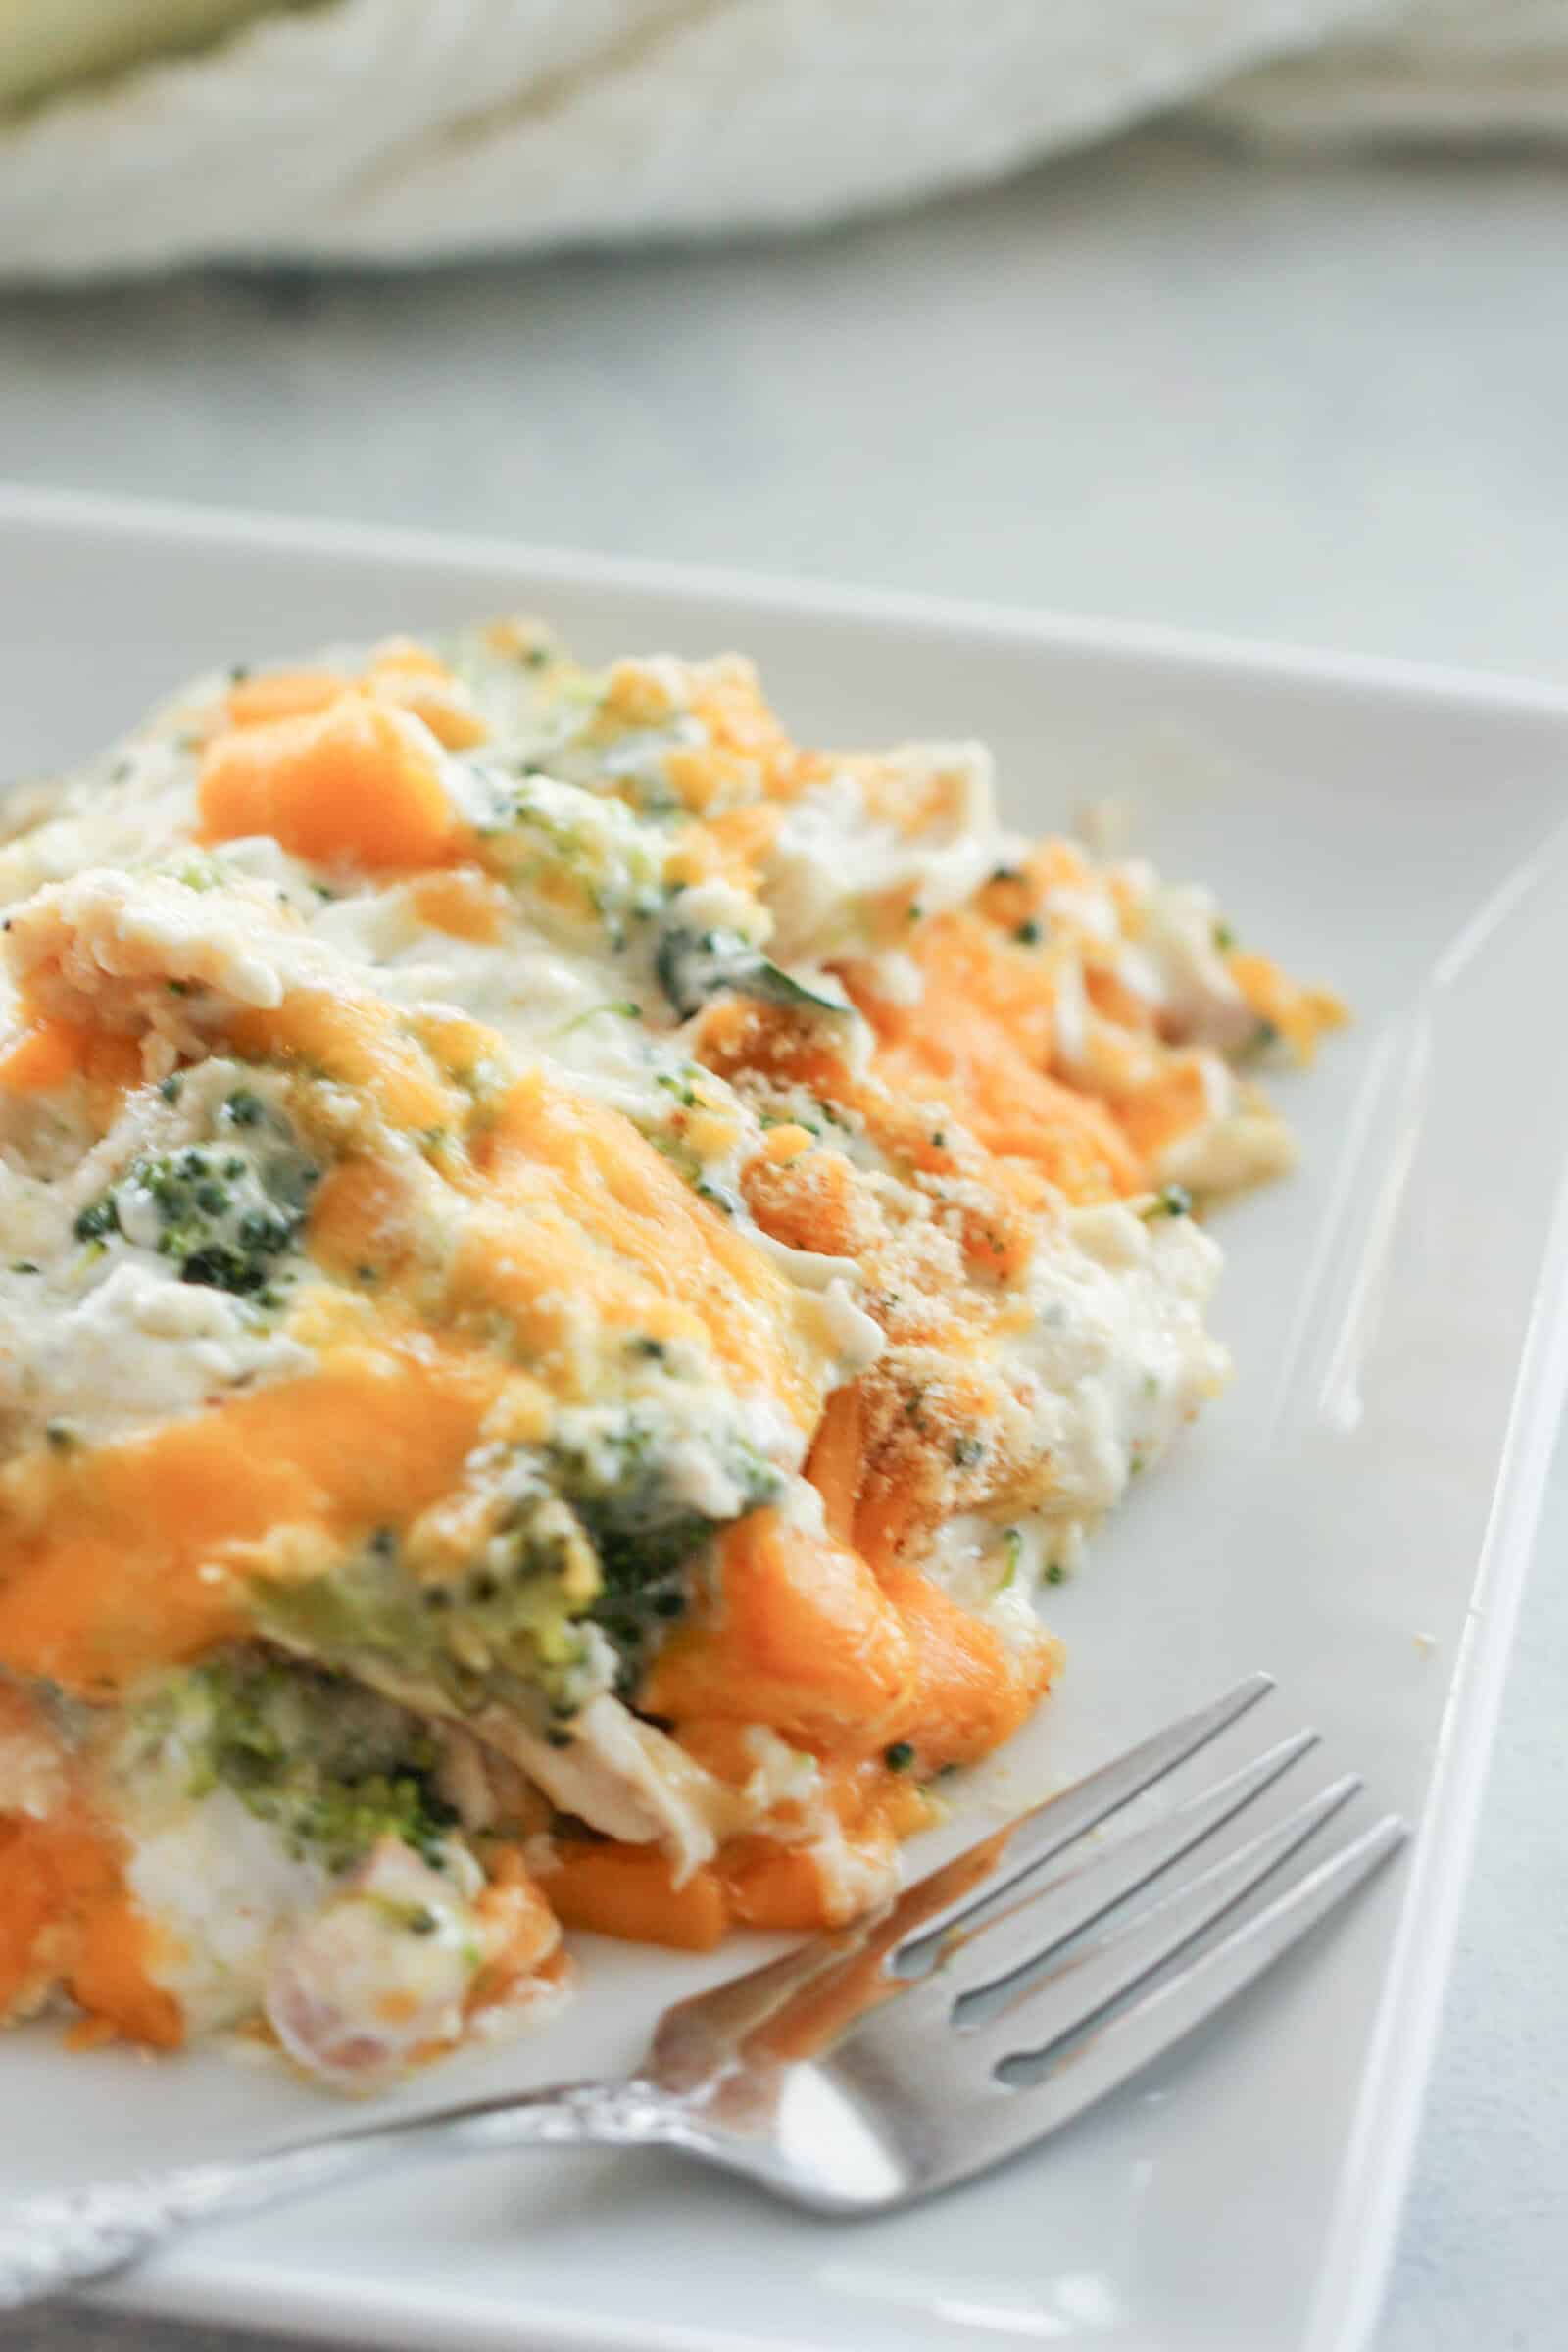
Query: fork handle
(64, 2239)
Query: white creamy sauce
(146, 949)
(99, 1337)
(1085, 907)
(220, 1888)
(832, 856)
(378, 1971)
(783, 1775)
(1072, 1015)
(130, 808)
(630, 1780)
(355, 1970)
(354, 1975)
(139, 1348)
(34, 1767)
(525, 984)
(1179, 966)
(896, 978)
(996, 1570)
(1116, 1358)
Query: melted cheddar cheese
(570, 1268)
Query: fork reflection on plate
(945, 2030)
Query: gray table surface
(1320, 402)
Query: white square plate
(1355, 1515)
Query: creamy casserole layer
(569, 1269)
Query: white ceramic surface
(1356, 1514)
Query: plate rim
(1380, 2153)
(202, 523)
(1374, 2174)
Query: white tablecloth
(385, 129)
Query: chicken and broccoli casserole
(569, 1269)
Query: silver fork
(943, 2032)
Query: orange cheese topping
(729, 848)
(566, 1202)
(359, 1043)
(51, 1052)
(465, 903)
(843, 1657)
(570, 1201)
(571, 1175)
(137, 1554)
(405, 675)
(260, 701)
(1170, 1105)
(45, 1057)
(348, 783)
(979, 1037)
(631, 1892)
(1300, 1015)
(67, 1916)
(634, 1892)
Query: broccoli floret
(587, 1556)
(225, 1216)
(620, 1471)
(579, 852)
(502, 1631)
(694, 965)
(333, 1766)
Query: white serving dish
(1356, 1514)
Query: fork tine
(1097, 2063)
(1082, 1985)
(1047, 1828)
(985, 1956)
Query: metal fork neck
(630, 2114)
